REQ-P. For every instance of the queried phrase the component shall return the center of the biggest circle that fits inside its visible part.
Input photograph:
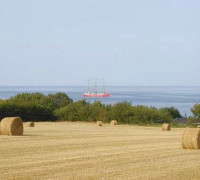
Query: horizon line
(106, 85)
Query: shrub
(192, 120)
(31, 98)
(172, 111)
(27, 112)
(196, 114)
(122, 112)
(148, 115)
(1, 100)
(82, 111)
(36, 106)
(52, 101)
(58, 100)
(33, 106)
(196, 111)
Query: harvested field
(64, 150)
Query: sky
(126, 42)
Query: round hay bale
(99, 123)
(12, 126)
(166, 127)
(113, 122)
(191, 138)
(30, 124)
(198, 126)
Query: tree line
(52, 107)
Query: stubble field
(65, 150)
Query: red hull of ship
(97, 95)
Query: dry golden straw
(191, 138)
(78, 145)
(12, 126)
(99, 123)
(113, 122)
(30, 124)
(166, 127)
(0, 129)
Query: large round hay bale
(30, 124)
(113, 122)
(166, 127)
(191, 138)
(12, 126)
(198, 126)
(99, 123)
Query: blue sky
(127, 42)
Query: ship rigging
(95, 93)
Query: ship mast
(96, 86)
(93, 89)
(88, 85)
(104, 87)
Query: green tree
(31, 98)
(59, 100)
(26, 111)
(192, 120)
(196, 111)
(98, 112)
(148, 115)
(122, 112)
(196, 114)
(34, 106)
(172, 111)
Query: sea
(183, 98)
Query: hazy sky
(127, 42)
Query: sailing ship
(89, 93)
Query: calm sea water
(182, 98)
